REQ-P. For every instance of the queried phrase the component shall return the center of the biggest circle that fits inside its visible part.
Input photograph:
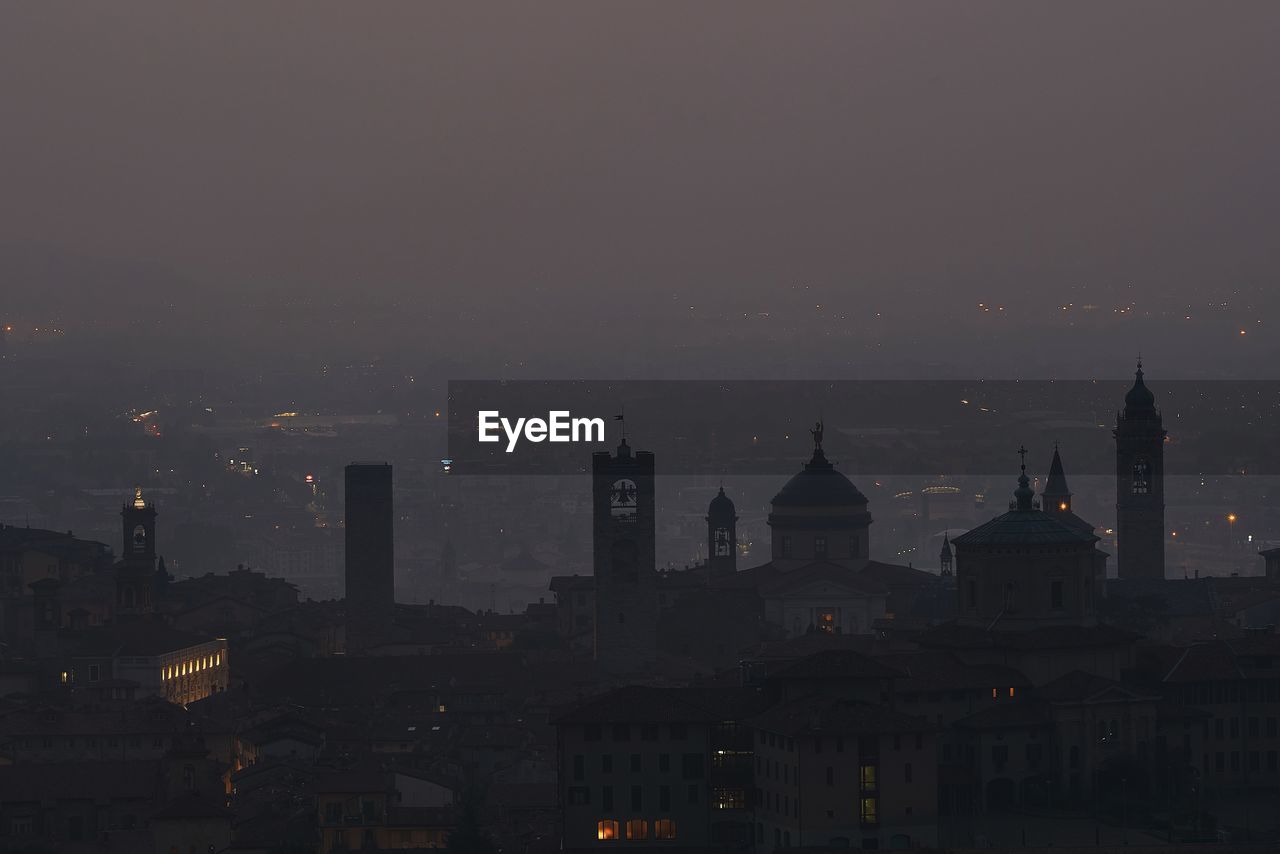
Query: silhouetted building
(722, 536)
(819, 515)
(136, 569)
(370, 552)
(626, 600)
(1139, 435)
(1027, 568)
(945, 558)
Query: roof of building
(818, 484)
(1016, 713)
(837, 664)
(1025, 524)
(1139, 400)
(836, 716)
(942, 670)
(721, 506)
(135, 638)
(638, 704)
(1029, 527)
(957, 636)
(87, 781)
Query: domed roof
(721, 505)
(1025, 524)
(1139, 398)
(819, 485)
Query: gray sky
(486, 175)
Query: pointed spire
(945, 554)
(1056, 492)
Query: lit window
(730, 799)
(868, 811)
(607, 829)
(995, 693)
(1010, 691)
(637, 828)
(867, 778)
(217, 659)
(664, 828)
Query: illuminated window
(730, 799)
(827, 621)
(607, 829)
(1010, 691)
(867, 778)
(637, 828)
(664, 828)
(65, 678)
(995, 693)
(868, 812)
(217, 659)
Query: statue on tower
(816, 432)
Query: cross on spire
(1022, 452)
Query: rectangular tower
(370, 558)
(624, 534)
(1140, 437)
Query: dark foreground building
(370, 557)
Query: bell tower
(1139, 438)
(624, 536)
(136, 569)
(722, 536)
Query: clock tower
(722, 536)
(136, 569)
(1139, 438)
(624, 535)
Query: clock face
(622, 500)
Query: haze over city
(861, 190)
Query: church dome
(819, 485)
(1025, 524)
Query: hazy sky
(487, 175)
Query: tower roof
(946, 548)
(1056, 484)
(1139, 400)
(721, 506)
